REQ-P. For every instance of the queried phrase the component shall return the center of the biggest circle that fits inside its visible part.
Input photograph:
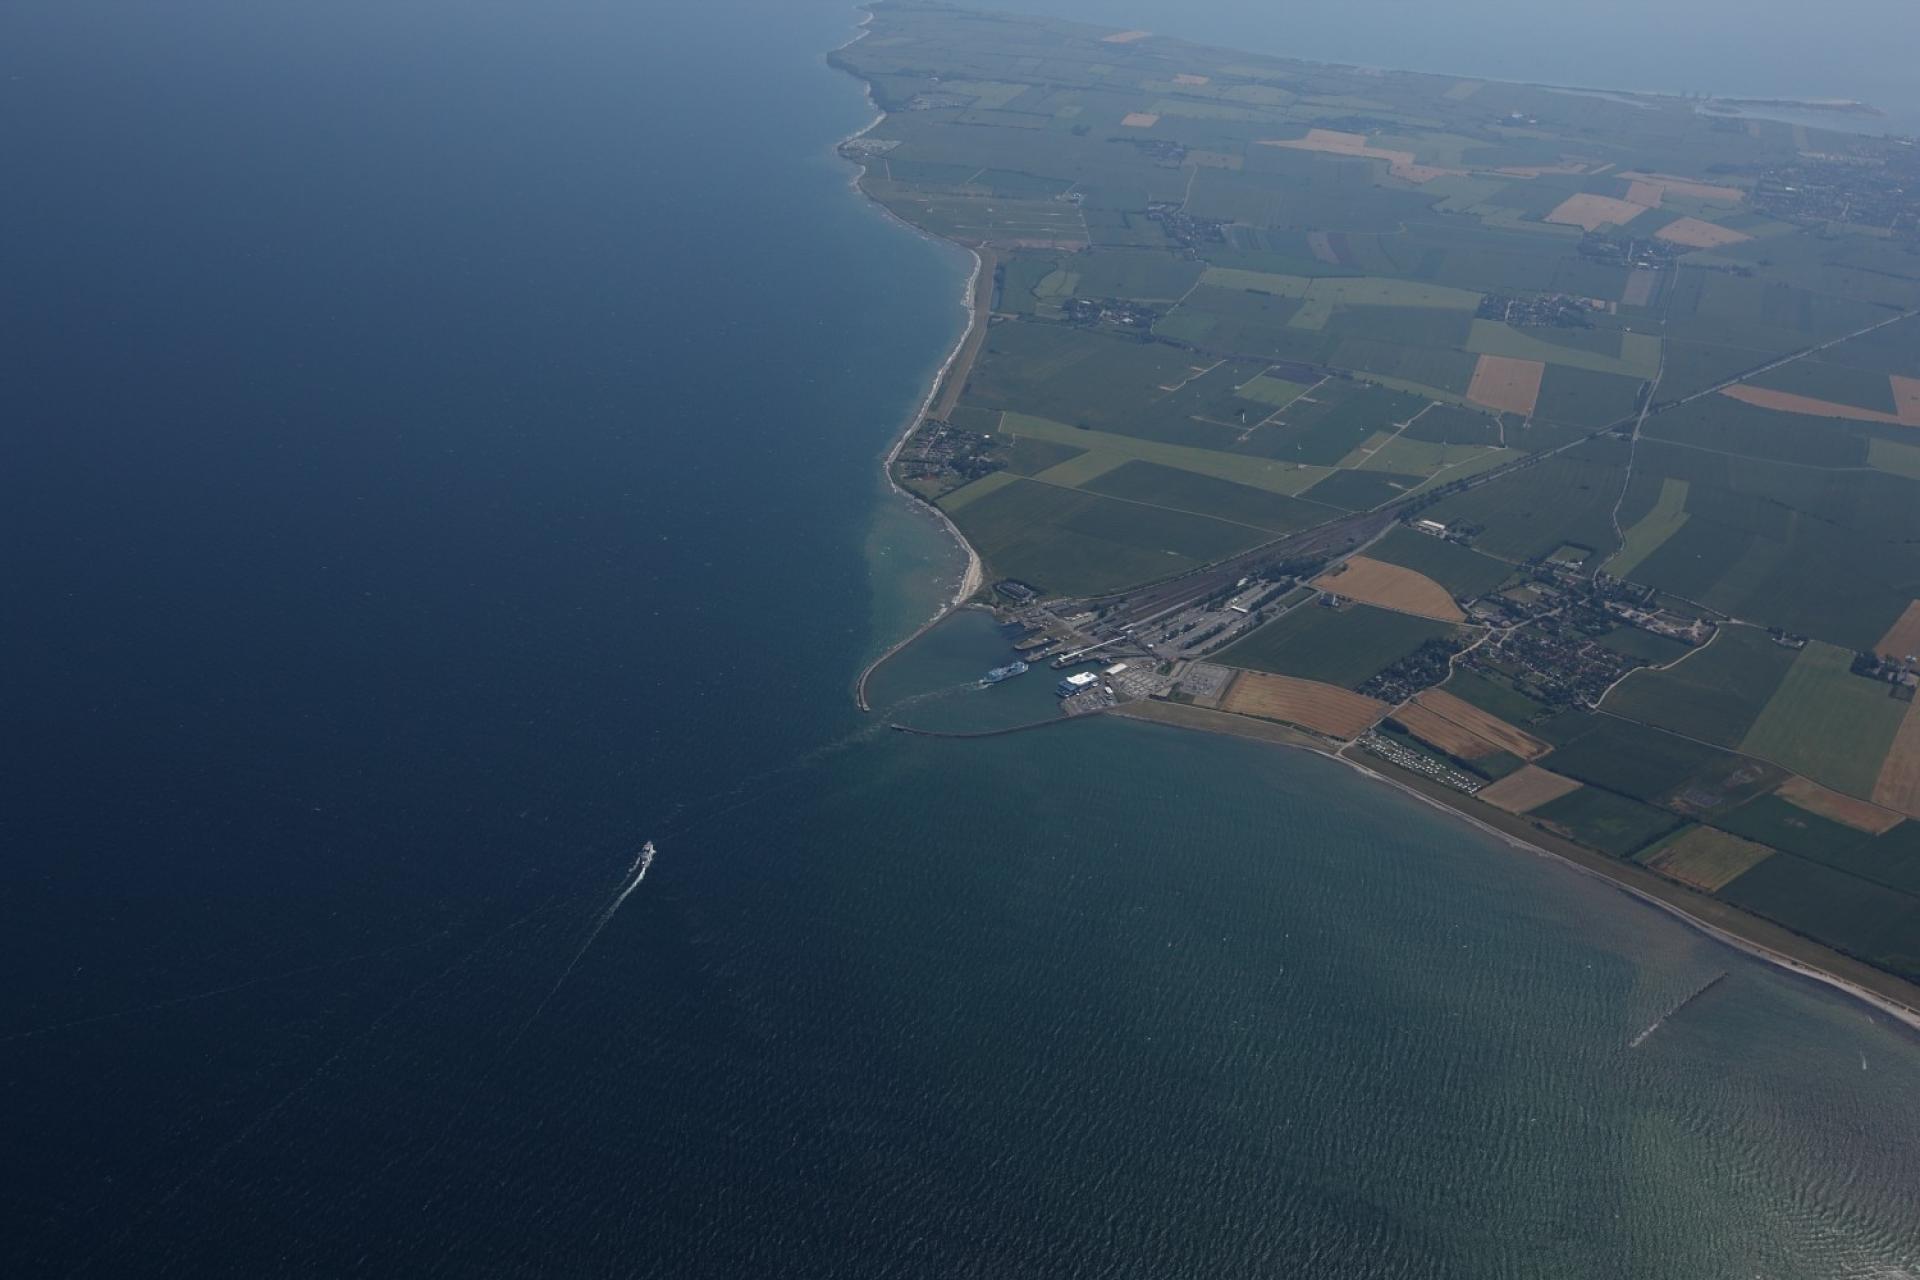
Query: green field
(1298, 333)
(1363, 490)
(1269, 390)
(1827, 723)
(1602, 820)
(1784, 825)
(1634, 355)
(1072, 542)
(1455, 424)
(1360, 291)
(1644, 536)
(1645, 763)
(1649, 647)
(1863, 388)
(1260, 473)
(1162, 486)
(1493, 696)
(1340, 646)
(1857, 916)
(1534, 511)
(1715, 694)
(1894, 457)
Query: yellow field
(1438, 731)
(1906, 399)
(1400, 164)
(1590, 213)
(1125, 37)
(1506, 737)
(1645, 194)
(1696, 234)
(1807, 794)
(1903, 637)
(1687, 187)
(1525, 790)
(1139, 120)
(1708, 859)
(1323, 708)
(1507, 384)
(1391, 587)
(1898, 786)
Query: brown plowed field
(1807, 794)
(1903, 637)
(1139, 120)
(1898, 786)
(1184, 78)
(1323, 708)
(1438, 731)
(1590, 213)
(1392, 587)
(1506, 383)
(1125, 37)
(1525, 790)
(1695, 234)
(1509, 738)
(1906, 397)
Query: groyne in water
(982, 733)
(1661, 1021)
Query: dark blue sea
(438, 455)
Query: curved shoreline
(977, 299)
(1904, 1014)
(970, 577)
(1908, 1016)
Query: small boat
(1008, 672)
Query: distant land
(1553, 455)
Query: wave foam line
(635, 874)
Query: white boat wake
(635, 874)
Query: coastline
(1599, 866)
(978, 300)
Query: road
(1331, 539)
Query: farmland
(1602, 397)
(1527, 789)
(1826, 723)
(1323, 708)
(1463, 572)
(1715, 694)
(1338, 646)
(1391, 586)
(1706, 858)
